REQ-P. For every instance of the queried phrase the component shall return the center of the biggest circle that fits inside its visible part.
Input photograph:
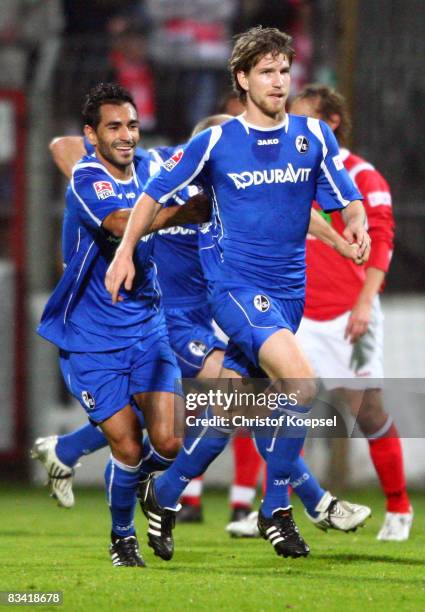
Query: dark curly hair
(253, 45)
(103, 93)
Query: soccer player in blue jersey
(108, 361)
(183, 273)
(199, 352)
(263, 171)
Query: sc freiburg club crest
(197, 348)
(261, 303)
(88, 399)
(301, 143)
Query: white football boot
(245, 528)
(396, 527)
(339, 514)
(59, 475)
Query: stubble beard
(268, 111)
(107, 154)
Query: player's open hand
(359, 321)
(120, 271)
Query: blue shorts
(192, 337)
(103, 383)
(234, 359)
(249, 316)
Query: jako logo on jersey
(103, 189)
(277, 175)
(197, 348)
(301, 143)
(268, 141)
(261, 303)
(280, 482)
(173, 160)
(88, 399)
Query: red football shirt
(333, 282)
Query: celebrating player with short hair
(263, 170)
(107, 360)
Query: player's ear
(90, 134)
(334, 121)
(242, 80)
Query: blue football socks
(306, 486)
(83, 441)
(121, 485)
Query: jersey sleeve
(183, 166)
(378, 206)
(159, 155)
(334, 189)
(96, 193)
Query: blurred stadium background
(172, 56)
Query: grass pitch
(44, 548)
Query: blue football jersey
(262, 183)
(80, 316)
(176, 253)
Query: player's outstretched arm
(196, 210)
(121, 271)
(66, 151)
(322, 230)
(355, 228)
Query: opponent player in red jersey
(342, 328)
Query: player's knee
(128, 451)
(306, 391)
(371, 415)
(167, 446)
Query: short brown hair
(253, 45)
(331, 102)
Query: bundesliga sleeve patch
(103, 189)
(339, 164)
(173, 160)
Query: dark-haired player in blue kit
(107, 361)
(198, 350)
(263, 170)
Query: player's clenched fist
(355, 232)
(120, 271)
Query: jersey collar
(284, 125)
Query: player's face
(117, 135)
(309, 107)
(267, 86)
